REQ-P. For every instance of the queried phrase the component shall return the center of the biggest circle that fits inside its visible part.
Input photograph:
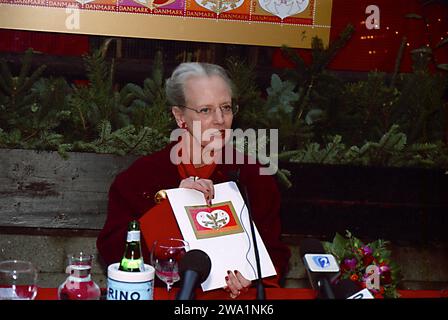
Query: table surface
(271, 294)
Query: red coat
(131, 196)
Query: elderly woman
(200, 96)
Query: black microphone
(347, 289)
(194, 268)
(321, 267)
(235, 177)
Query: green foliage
(421, 106)
(149, 107)
(369, 108)
(123, 141)
(380, 121)
(99, 101)
(32, 108)
(415, 101)
(323, 120)
(281, 96)
(48, 114)
(361, 111)
(312, 80)
(316, 105)
(16, 99)
(253, 112)
(390, 150)
(312, 153)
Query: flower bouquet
(358, 261)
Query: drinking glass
(165, 257)
(18, 280)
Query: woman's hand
(203, 185)
(236, 284)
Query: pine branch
(398, 62)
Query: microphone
(347, 289)
(321, 267)
(235, 177)
(194, 268)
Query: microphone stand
(259, 283)
(325, 288)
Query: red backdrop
(377, 49)
(45, 42)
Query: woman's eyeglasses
(227, 109)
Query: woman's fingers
(209, 189)
(203, 185)
(245, 283)
(232, 287)
(236, 283)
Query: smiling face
(201, 93)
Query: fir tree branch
(138, 141)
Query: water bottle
(79, 284)
(132, 260)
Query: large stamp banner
(254, 22)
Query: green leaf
(339, 245)
(442, 43)
(423, 50)
(413, 16)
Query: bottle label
(120, 290)
(131, 264)
(133, 236)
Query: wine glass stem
(168, 287)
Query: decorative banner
(285, 8)
(255, 22)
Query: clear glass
(18, 280)
(165, 257)
(79, 284)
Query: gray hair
(175, 84)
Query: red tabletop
(271, 294)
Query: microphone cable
(259, 284)
(248, 239)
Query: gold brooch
(159, 196)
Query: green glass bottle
(132, 260)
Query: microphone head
(310, 245)
(198, 261)
(316, 259)
(345, 288)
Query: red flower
(367, 260)
(348, 264)
(380, 293)
(384, 267)
(354, 277)
(386, 277)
